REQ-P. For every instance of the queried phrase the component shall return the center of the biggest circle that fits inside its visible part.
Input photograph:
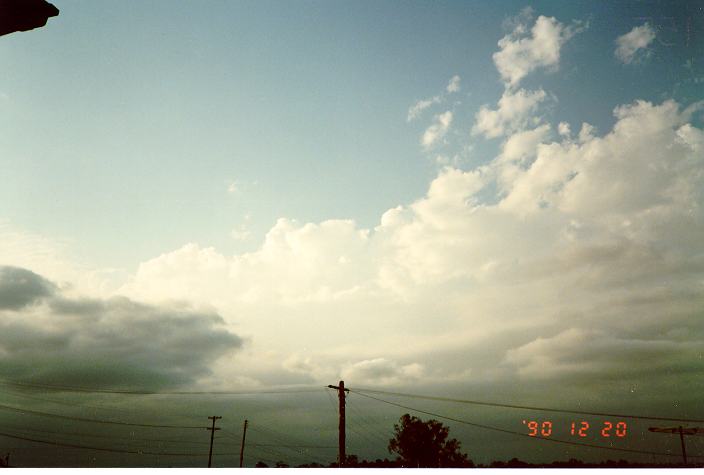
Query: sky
(498, 201)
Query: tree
(426, 444)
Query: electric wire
(283, 438)
(367, 425)
(149, 393)
(98, 421)
(332, 401)
(103, 449)
(364, 434)
(230, 435)
(506, 431)
(532, 408)
(278, 456)
(350, 422)
(92, 406)
(282, 457)
(64, 403)
(294, 446)
(104, 436)
(284, 444)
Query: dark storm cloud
(114, 343)
(20, 288)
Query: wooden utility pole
(341, 455)
(682, 431)
(244, 435)
(212, 436)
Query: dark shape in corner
(24, 15)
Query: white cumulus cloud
(523, 51)
(516, 110)
(603, 233)
(628, 45)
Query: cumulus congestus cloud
(116, 342)
(600, 232)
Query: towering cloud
(602, 233)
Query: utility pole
(682, 431)
(244, 435)
(212, 436)
(341, 455)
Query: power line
(506, 431)
(258, 428)
(360, 435)
(533, 408)
(366, 432)
(292, 454)
(230, 435)
(103, 449)
(166, 393)
(99, 421)
(283, 438)
(103, 436)
(294, 446)
(92, 406)
(274, 453)
(64, 403)
(367, 424)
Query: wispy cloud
(417, 109)
(453, 85)
(437, 130)
(637, 40)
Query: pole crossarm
(682, 431)
(338, 388)
(676, 430)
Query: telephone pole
(682, 431)
(244, 435)
(212, 436)
(341, 455)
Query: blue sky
(493, 199)
(125, 124)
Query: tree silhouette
(426, 444)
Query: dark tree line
(426, 444)
(417, 443)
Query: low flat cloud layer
(115, 343)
